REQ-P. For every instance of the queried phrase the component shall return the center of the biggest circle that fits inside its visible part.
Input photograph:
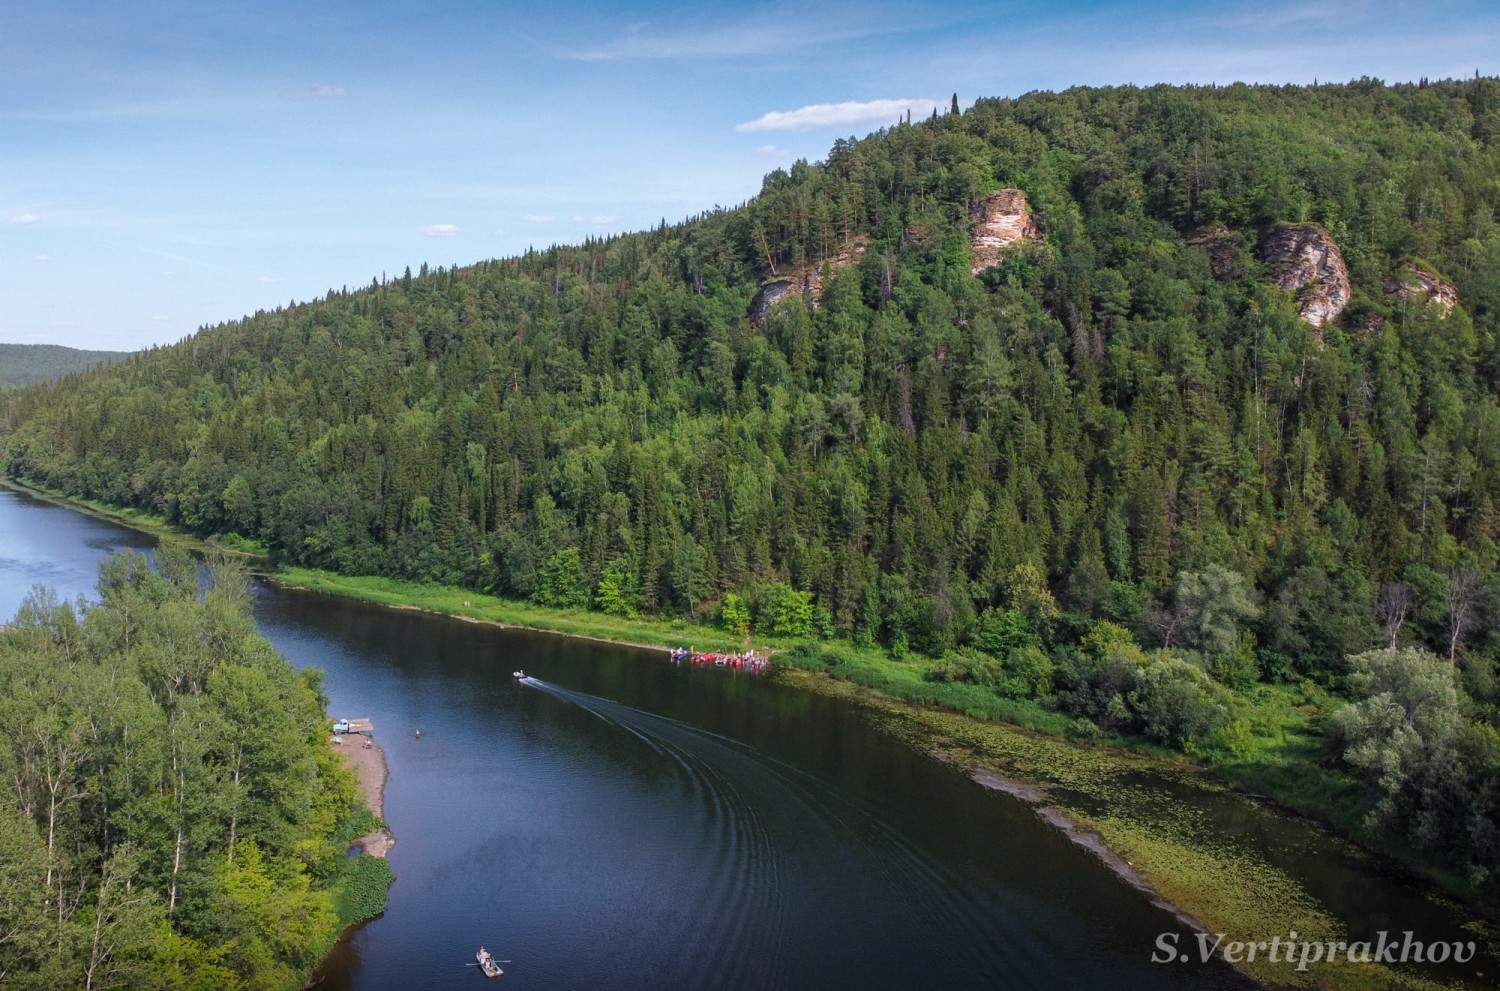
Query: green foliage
(785, 611)
(735, 615)
(1029, 595)
(1175, 703)
(619, 591)
(970, 666)
(1000, 631)
(1212, 606)
(1433, 770)
(1028, 673)
(361, 889)
(1062, 436)
(689, 572)
(563, 584)
(1107, 641)
(189, 816)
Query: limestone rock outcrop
(807, 279)
(769, 295)
(1002, 219)
(1305, 260)
(1413, 282)
(1222, 246)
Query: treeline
(171, 815)
(1097, 475)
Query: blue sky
(167, 165)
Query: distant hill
(25, 364)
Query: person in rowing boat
(484, 955)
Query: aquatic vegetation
(1161, 818)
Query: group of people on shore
(749, 660)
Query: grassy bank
(473, 606)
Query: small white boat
(487, 964)
(520, 674)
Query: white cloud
(538, 218)
(597, 221)
(442, 230)
(267, 279)
(327, 92)
(44, 258)
(24, 219)
(845, 114)
(160, 317)
(772, 151)
(766, 33)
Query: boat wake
(728, 918)
(745, 869)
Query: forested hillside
(25, 364)
(1127, 434)
(171, 816)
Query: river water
(618, 821)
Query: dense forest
(1118, 474)
(27, 364)
(171, 815)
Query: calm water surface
(618, 821)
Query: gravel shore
(368, 765)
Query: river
(619, 821)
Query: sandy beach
(368, 765)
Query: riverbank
(1216, 860)
(1216, 856)
(252, 554)
(1213, 858)
(475, 607)
(367, 760)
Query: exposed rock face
(1001, 220)
(1305, 260)
(807, 279)
(1412, 282)
(770, 293)
(1221, 245)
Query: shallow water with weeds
(1235, 865)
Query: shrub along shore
(1137, 806)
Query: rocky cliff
(1000, 220)
(808, 279)
(1306, 261)
(1223, 247)
(1415, 283)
